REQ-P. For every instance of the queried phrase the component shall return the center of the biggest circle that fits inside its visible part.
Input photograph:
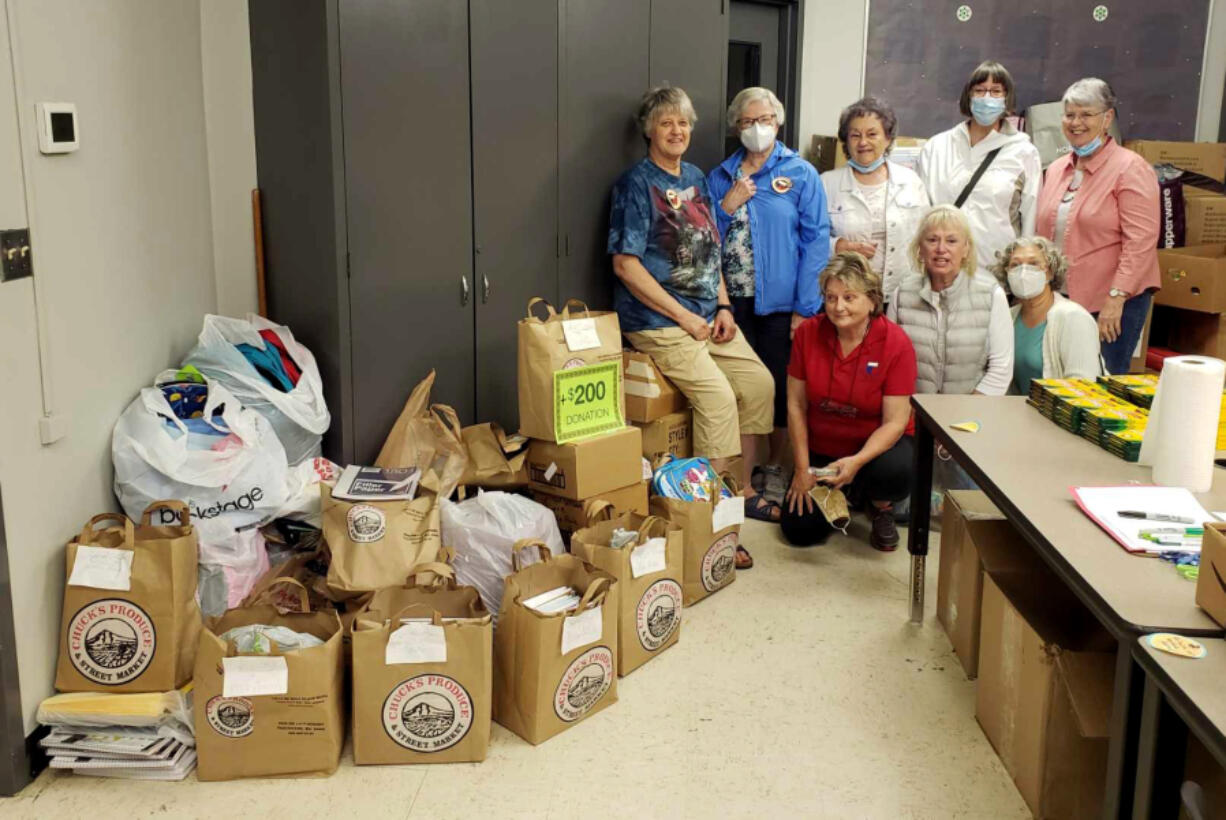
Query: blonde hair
(659, 100)
(944, 215)
(854, 271)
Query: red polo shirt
(845, 392)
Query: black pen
(1174, 519)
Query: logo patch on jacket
(781, 185)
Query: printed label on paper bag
(230, 717)
(366, 523)
(582, 629)
(111, 641)
(416, 643)
(583, 683)
(658, 614)
(428, 713)
(587, 401)
(648, 558)
(728, 513)
(580, 334)
(719, 564)
(102, 568)
(247, 676)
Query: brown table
(1026, 464)
(1181, 695)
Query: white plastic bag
(240, 482)
(482, 531)
(302, 494)
(299, 417)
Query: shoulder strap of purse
(970, 186)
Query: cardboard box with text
(671, 434)
(586, 468)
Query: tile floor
(799, 691)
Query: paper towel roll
(1181, 434)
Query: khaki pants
(732, 392)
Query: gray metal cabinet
(689, 48)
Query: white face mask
(758, 137)
(1027, 281)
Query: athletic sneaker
(774, 484)
(885, 534)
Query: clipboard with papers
(1104, 506)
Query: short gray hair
(1091, 91)
(660, 99)
(753, 94)
(1053, 259)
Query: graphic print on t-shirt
(688, 238)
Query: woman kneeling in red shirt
(849, 383)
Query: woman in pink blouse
(1099, 204)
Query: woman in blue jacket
(776, 240)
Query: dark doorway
(763, 50)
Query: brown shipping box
(1204, 216)
(1211, 582)
(1193, 278)
(570, 514)
(1208, 158)
(586, 468)
(1045, 683)
(649, 394)
(970, 518)
(672, 434)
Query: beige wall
(833, 66)
(124, 266)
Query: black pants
(885, 478)
(770, 336)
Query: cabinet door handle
(485, 289)
(463, 290)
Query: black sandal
(759, 508)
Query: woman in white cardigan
(1053, 337)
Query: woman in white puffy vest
(957, 319)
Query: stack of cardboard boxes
(1190, 309)
(657, 408)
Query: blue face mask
(867, 169)
(1089, 147)
(987, 110)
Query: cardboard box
(569, 511)
(1211, 582)
(1204, 216)
(1044, 706)
(649, 394)
(822, 152)
(969, 518)
(586, 468)
(1193, 278)
(1208, 158)
(670, 434)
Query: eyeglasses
(768, 119)
(1072, 118)
(996, 93)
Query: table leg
(1125, 729)
(917, 532)
(1160, 757)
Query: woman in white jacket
(1001, 203)
(1053, 337)
(875, 205)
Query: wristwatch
(718, 308)
(1118, 292)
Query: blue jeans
(1118, 354)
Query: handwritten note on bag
(648, 558)
(416, 643)
(582, 629)
(248, 675)
(580, 334)
(729, 512)
(102, 568)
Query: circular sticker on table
(428, 713)
(658, 614)
(719, 563)
(1177, 645)
(1100, 14)
(366, 523)
(111, 641)
(584, 683)
(963, 13)
(230, 717)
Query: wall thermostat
(57, 128)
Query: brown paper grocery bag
(426, 436)
(375, 544)
(142, 639)
(543, 350)
(649, 587)
(298, 732)
(540, 691)
(710, 551)
(432, 711)
(495, 461)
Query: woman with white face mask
(772, 218)
(1099, 205)
(985, 166)
(1053, 337)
